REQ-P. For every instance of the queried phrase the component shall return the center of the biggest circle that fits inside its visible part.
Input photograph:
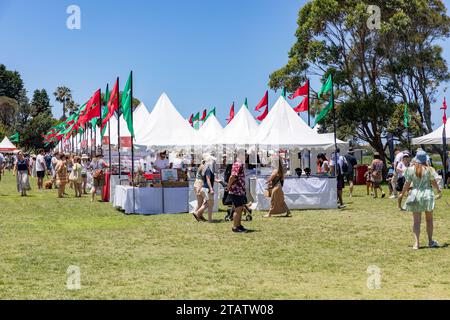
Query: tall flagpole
(334, 126)
(118, 129)
(444, 145)
(309, 122)
(132, 143)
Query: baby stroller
(246, 214)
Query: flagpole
(118, 130)
(309, 122)
(334, 126)
(132, 144)
(445, 158)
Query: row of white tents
(165, 127)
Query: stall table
(299, 193)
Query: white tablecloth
(113, 182)
(299, 193)
(151, 200)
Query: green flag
(246, 103)
(283, 93)
(406, 117)
(327, 88)
(15, 138)
(127, 104)
(213, 111)
(195, 121)
(105, 111)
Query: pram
(246, 214)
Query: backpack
(345, 166)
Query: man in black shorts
(350, 163)
(40, 169)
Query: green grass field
(314, 255)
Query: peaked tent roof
(330, 136)
(241, 130)
(283, 127)
(211, 132)
(140, 118)
(434, 137)
(165, 127)
(7, 146)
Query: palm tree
(63, 95)
(72, 106)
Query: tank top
(22, 165)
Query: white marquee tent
(283, 127)
(434, 137)
(241, 130)
(166, 128)
(7, 146)
(211, 132)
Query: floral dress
(423, 189)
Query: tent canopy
(434, 137)
(7, 146)
(241, 130)
(210, 132)
(283, 127)
(165, 127)
(140, 118)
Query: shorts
(377, 183)
(340, 182)
(237, 201)
(84, 175)
(400, 183)
(40, 174)
(350, 177)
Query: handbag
(98, 174)
(412, 200)
(268, 193)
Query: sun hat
(99, 155)
(421, 157)
(84, 157)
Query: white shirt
(399, 158)
(40, 163)
(178, 163)
(401, 168)
(162, 164)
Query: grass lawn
(314, 255)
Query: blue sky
(202, 53)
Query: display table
(150, 201)
(299, 193)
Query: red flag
(303, 106)
(263, 115)
(444, 107)
(303, 91)
(113, 103)
(231, 114)
(93, 109)
(203, 116)
(191, 121)
(264, 102)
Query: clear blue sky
(202, 53)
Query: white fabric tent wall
(241, 130)
(284, 128)
(434, 137)
(211, 132)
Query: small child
(369, 181)
(389, 178)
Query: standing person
(61, 175)
(323, 164)
(32, 160)
(198, 185)
(401, 170)
(236, 194)
(377, 175)
(207, 191)
(76, 177)
(2, 160)
(369, 181)
(41, 167)
(398, 158)
(22, 172)
(98, 165)
(69, 163)
(422, 179)
(351, 162)
(276, 183)
(55, 160)
(337, 169)
(85, 164)
(162, 162)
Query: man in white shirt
(162, 162)
(401, 168)
(40, 169)
(398, 158)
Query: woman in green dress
(421, 179)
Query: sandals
(196, 218)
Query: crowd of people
(410, 178)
